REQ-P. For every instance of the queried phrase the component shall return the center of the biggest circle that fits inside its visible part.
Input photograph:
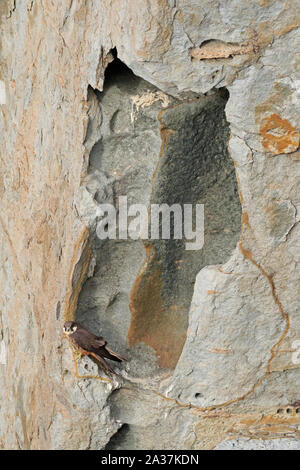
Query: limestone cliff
(162, 101)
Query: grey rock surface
(235, 372)
(134, 158)
(250, 444)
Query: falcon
(88, 344)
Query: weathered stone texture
(238, 372)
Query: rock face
(154, 148)
(171, 102)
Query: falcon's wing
(87, 340)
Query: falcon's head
(70, 327)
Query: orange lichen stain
(278, 135)
(153, 323)
(264, 3)
(13, 85)
(82, 251)
(245, 218)
(213, 292)
(269, 425)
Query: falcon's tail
(112, 355)
(102, 363)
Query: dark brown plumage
(92, 345)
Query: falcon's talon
(78, 355)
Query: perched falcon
(89, 344)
